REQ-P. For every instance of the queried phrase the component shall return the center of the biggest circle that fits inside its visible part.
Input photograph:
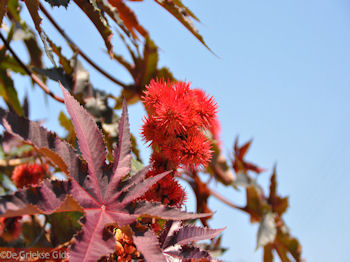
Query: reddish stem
(36, 79)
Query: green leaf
(67, 124)
(63, 226)
(165, 73)
(8, 62)
(150, 57)
(8, 92)
(136, 166)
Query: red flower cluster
(177, 117)
(28, 174)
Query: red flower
(28, 174)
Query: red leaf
(3, 9)
(100, 22)
(190, 233)
(33, 7)
(90, 141)
(122, 156)
(149, 247)
(129, 18)
(239, 163)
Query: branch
(211, 191)
(36, 79)
(76, 49)
(15, 162)
(224, 200)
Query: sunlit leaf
(129, 18)
(279, 204)
(95, 14)
(176, 8)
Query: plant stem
(15, 162)
(76, 49)
(36, 79)
(212, 192)
(224, 200)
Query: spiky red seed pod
(167, 191)
(155, 91)
(148, 130)
(195, 151)
(205, 107)
(28, 174)
(177, 118)
(172, 117)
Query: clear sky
(282, 78)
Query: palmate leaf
(176, 241)
(104, 192)
(239, 163)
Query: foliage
(89, 191)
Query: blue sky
(282, 78)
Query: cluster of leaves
(128, 211)
(105, 193)
(273, 234)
